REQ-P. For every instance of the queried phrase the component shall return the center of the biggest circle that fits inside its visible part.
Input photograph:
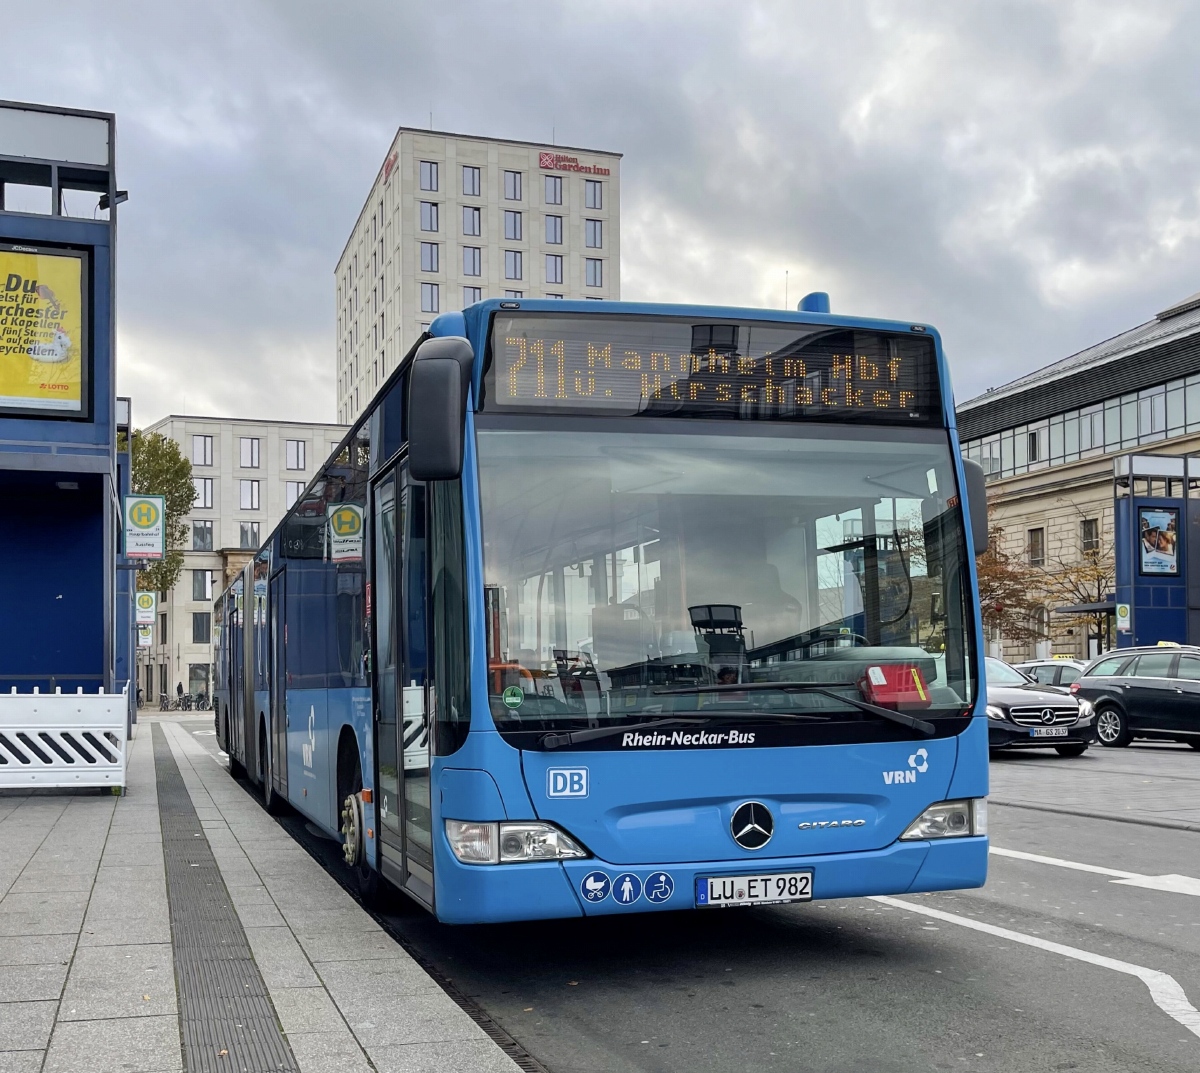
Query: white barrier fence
(62, 739)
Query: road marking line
(1175, 884)
(1168, 996)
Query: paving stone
(280, 958)
(393, 976)
(327, 1052)
(120, 981)
(121, 1045)
(37, 949)
(28, 983)
(21, 1061)
(26, 1025)
(44, 902)
(40, 881)
(307, 1009)
(475, 1056)
(19, 924)
(426, 1017)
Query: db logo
(143, 514)
(567, 782)
(346, 521)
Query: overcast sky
(1024, 175)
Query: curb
(1173, 825)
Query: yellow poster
(41, 331)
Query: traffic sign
(145, 527)
(145, 607)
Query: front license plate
(716, 892)
(1048, 732)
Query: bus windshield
(698, 571)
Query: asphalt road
(1051, 966)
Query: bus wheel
(354, 840)
(271, 800)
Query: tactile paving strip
(229, 1025)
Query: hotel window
(471, 220)
(472, 261)
(554, 268)
(1089, 534)
(1037, 547)
(554, 230)
(594, 270)
(204, 492)
(429, 175)
(429, 216)
(249, 534)
(554, 296)
(593, 194)
(593, 234)
(512, 186)
(553, 189)
(470, 181)
(513, 264)
(1035, 446)
(429, 298)
(471, 295)
(514, 294)
(202, 535)
(202, 584)
(248, 497)
(295, 454)
(429, 256)
(293, 490)
(512, 225)
(201, 627)
(249, 449)
(202, 450)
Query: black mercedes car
(1146, 692)
(1023, 714)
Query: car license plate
(1048, 732)
(716, 892)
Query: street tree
(1008, 597)
(159, 468)
(1088, 579)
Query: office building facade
(452, 219)
(246, 474)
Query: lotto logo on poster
(42, 348)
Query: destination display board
(748, 370)
(43, 331)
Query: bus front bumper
(479, 894)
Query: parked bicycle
(202, 704)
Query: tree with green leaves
(158, 468)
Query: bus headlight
(510, 843)
(949, 819)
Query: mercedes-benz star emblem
(1047, 716)
(752, 825)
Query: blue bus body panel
(661, 806)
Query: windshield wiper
(910, 721)
(570, 737)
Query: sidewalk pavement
(88, 956)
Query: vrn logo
(567, 782)
(918, 764)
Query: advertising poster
(144, 603)
(1158, 540)
(43, 354)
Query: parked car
(1151, 693)
(1023, 714)
(1052, 672)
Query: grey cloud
(1021, 174)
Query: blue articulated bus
(610, 608)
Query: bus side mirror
(977, 503)
(437, 408)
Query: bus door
(278, 682)
(401, 683)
